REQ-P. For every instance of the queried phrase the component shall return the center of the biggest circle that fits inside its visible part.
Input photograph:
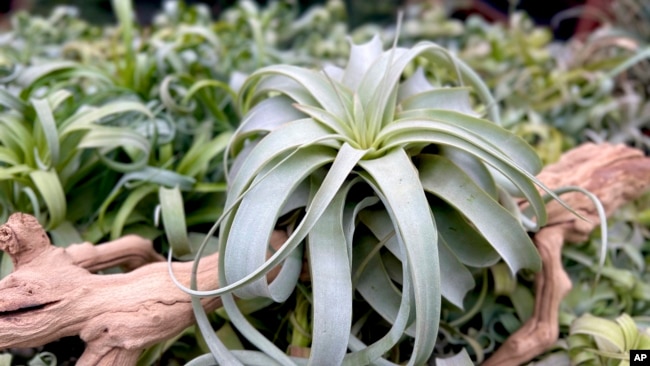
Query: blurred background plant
(97, 119)
(101, 118)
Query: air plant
(395, 188)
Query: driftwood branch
(616, 174)
(53, 292)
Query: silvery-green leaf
(514, 245)
(268, 115)
(251, 227)
(415, 227)
(452, 99)
(361, 58)
(286, 138)
(415, 84)
(303, 81)
(459, 278)
(469, 245)
(473, 167)
(331, 284)
(513, 146)
(460, 359)
(373, 281)
(492, 155)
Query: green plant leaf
(106, 139)
(48, 125)
(48, 185)
(126, 211)
(200, 154)
(173, 216)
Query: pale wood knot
(8, 242)
(23, 238)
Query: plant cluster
(393, 169)
(95, 121)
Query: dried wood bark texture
(616, 174)
(53, 293)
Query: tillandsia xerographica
(401, 187)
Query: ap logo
(639, 357)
